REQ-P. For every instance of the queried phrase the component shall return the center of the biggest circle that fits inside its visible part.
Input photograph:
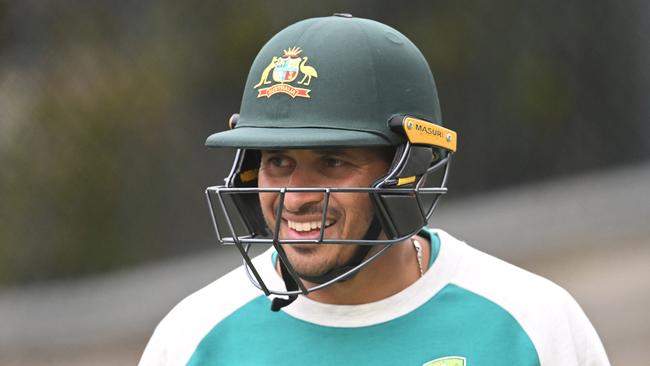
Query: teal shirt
(455, 322)
(468, 309)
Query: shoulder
(555, 323)
(500, 281)
(179, 333)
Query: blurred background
(105, 106)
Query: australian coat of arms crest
(284, 70)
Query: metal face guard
(389, 195)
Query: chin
(306, 261)
(311, 272)
(303, 249)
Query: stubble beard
(308, 261)
(314, 260)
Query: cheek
(358, 210)
(262, 181)
(266, 199)
(266, 203)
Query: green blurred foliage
(104, 107)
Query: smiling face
(349, 214)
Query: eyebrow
(343, 153)
(336, 152)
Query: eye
(332, 162)
(276, 164)
(278, 161)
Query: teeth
(307, 226)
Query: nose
(300, 201)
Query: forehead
(361, 153)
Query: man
(341, 160)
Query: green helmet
(332, 82)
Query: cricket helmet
(335, 82)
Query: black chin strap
(360, 254)
(278, 302)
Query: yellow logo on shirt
(447, 361)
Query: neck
(387, 275)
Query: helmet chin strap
(279, 302)
(359, 255)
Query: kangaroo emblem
(284, 71)
(267, 70)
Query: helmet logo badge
(284, 70)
